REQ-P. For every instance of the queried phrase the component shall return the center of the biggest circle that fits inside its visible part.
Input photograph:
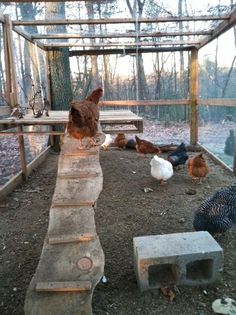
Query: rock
(224, 306)
(191, 191)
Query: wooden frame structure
(154, 43)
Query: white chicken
(161, 169)
(107, 142)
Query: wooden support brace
(63, 239)
(67, 286)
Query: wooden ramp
(72, 259)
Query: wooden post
(7, 64)
(194, 97)
(23, 161)
(234, 162)
(11, 61)
(51, 137)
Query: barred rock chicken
(84, 117)
(179, 156)
(197, 168)
(161, 169)
(217, 214)
(120, 141)
(145, 147)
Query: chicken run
(143, 187)
(132, 203)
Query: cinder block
(192, 258)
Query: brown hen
(197, 168)
(84, 117)
(120, 141)
(145, 147)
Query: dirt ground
(124, 211)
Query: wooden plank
(234, 161)
(23, 162)
(13, 90)
(217, 102)
(220, 29)
(193, 96)
(7, 65)
(64, 286)
(124, 45)
(144, 103)
(126, 131)
(78, 175)
(18, 178)
(216, 159)
(28, 37)
(120, 35)
(80, 153)
(128, 51)
(159, 19)
(87, 203)
(71, 238)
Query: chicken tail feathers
(138, 141)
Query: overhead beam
(28, 37)
(121, 35)
(122, 21)
(125, 45)
(220, 29)
(128, 51)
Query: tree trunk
(94, 64)
(141, 82)
(26, 10)
(59, 66)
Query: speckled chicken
(217, 214)
(84, 117)
(197, 168)
(179, 156)
(146, 147)
(120, 141)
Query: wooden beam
(124, 45)
(194, 97)
(28, 37)
(38, 133)
(11, 60)
(120, 35)
(217, 102)
(66, 286)
(220, 29)
(234, 161)
(146, 103)
(127, 51)
(23, 161)
(18, 178)
(7, 64)
(177, 19)
(216, 159)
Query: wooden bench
(112, 121)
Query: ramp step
(78, 175)
(65, 286)
(62, 239)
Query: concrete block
(191, 258)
